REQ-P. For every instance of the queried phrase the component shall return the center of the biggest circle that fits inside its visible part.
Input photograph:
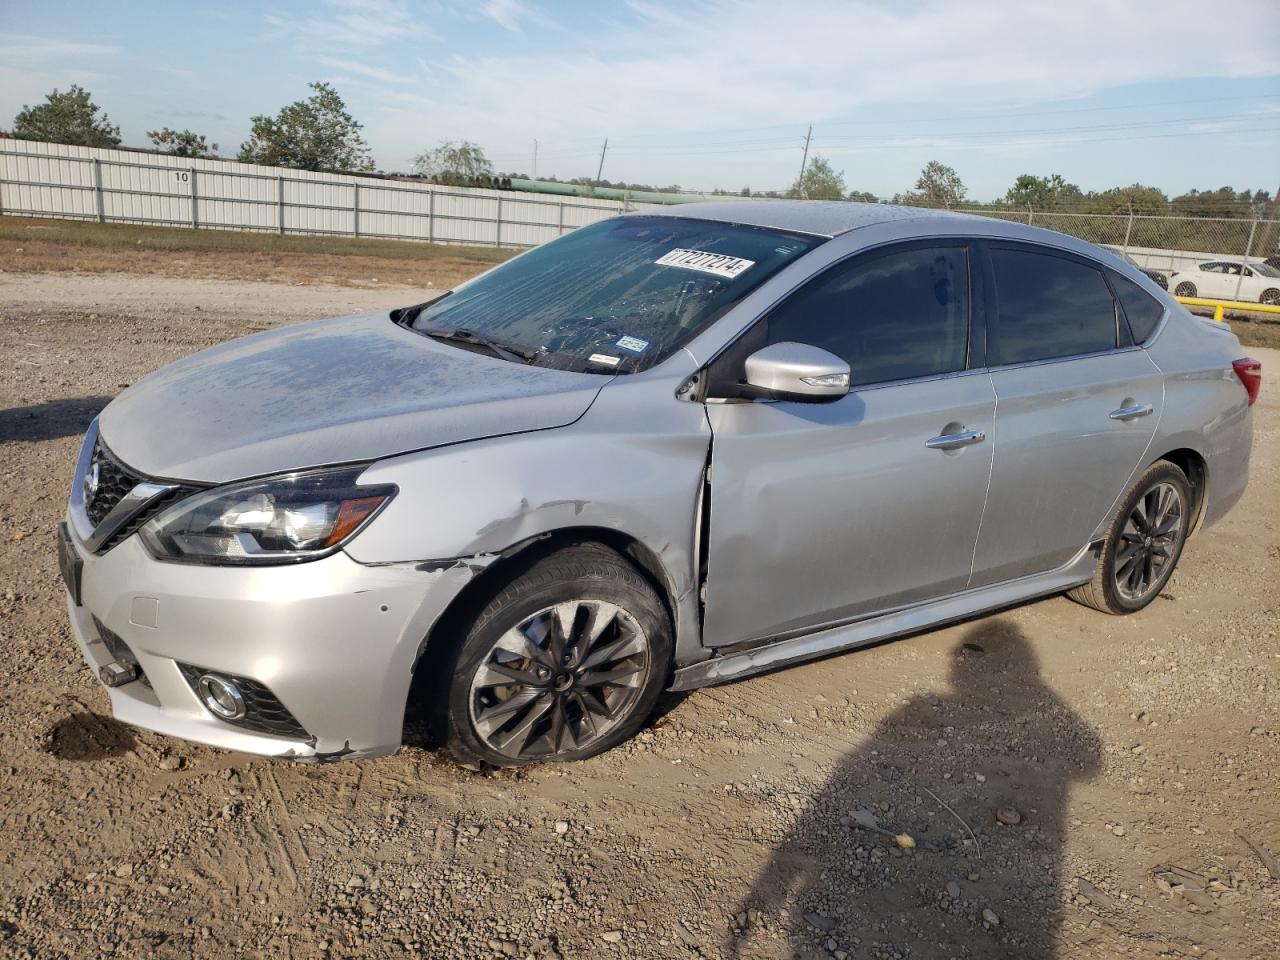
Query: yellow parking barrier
(1221, 306)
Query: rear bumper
(334, 640)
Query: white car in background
(1223, 280)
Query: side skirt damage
(734, 665)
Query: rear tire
(1143, 543)
(563, 663)
(1270, 297)
(1184, 289)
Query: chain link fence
(1163, 243)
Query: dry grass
(1260, 333)
(29, 245)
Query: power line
(692, 147)
(960, 118)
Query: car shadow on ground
(50, 420)
(986, 877)
(88, 736)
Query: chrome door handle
(950, 441)
(1132, 413)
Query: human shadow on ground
(1008, 743)
(67, 417)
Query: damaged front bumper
(333, 642)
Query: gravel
(725, 830)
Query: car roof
(823, 218)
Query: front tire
(1143, 544)
(1185, 289)
(565, 662)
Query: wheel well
(515, 560)
(1192, 464)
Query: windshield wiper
(499, 348)
(406, 315)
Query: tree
(1137, 199)
(182, 144)
(862, 196)
(312, 134)
(938, 186)
(1223, 202)
(1043, 193)
(453, 164)
(819, 182)
(70, 117)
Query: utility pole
(535, 158)
(600, 169)
(804, 161)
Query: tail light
(1250, 373)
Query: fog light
(221, 696)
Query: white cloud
(681, 71)
(368, 71)
(506, 13)
(17, 48)
(346, 25)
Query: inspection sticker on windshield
(604, 358)
(720, 264)
(634, 344)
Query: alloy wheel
(560, 680)
(1148, 542)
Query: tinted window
(899, 315)
(1142, 310)
(619, 295)
(1046, 307)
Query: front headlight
(289, 519)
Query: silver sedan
(660, 452)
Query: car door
(1075, 410)
(823, 512)
(1213, 281)
(1246, 286)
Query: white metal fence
(120, 186)
(58, 180)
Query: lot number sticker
(719, 264)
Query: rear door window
(1142, 310)
(1046, 307)
(892, 316)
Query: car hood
(333, 391)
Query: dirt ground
(1130, 751)
(30, 245)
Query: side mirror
(797, 371)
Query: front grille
(264, 713)
(115, 481)
(151, 509)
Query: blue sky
(703, 93)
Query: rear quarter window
(1142, 310)
(1047, 307)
